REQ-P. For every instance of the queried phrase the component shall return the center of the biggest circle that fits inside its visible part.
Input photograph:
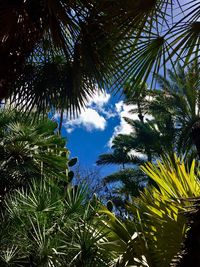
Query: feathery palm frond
(122, 153)
(117, 158)
(133, 180)
(180, 101)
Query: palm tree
(28, 149)
(149, 138)
(180, 100)
(138, 98)
(121, 154)
(152, 138)
(92, 42)
(133, 181)
(49, 226)
(81, 37)
(128, 180)
(175, 109)
(157, 215)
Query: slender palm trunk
(123, 166)
(195, 134)
(140, 115)
(61, 122)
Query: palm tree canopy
(122, 153)
(180, 100)
(49, 226)
(133, 180)
(174, 110)
(94, 42)
(29, 149)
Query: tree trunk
(191, 247)
(140, 115)
(195, 135)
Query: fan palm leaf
(50, 226)
(29, 148)
(101, 42)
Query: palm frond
(101, 43)
(156, 215)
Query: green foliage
(175, 180)
(70, 46)
(174, 109)
(50, 226)
(129, 180)
(133, 180)
(156, 227)
(180, 100)
(121, 153)
(28, 149)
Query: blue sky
(91, 133)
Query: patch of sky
(91, 133)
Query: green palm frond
(52, 85)
(148, 137)
(50, 226)
(122, 147)
(90, 245)
(156, 215)
(39, 198)
(180, 101)
(44, 245)
(123, 175)
(133, 180)
(117, 158)
(175, 181)
(12, 256)
(171, 38)
(102, 43)
(29, 149)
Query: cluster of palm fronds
(49, 222)
(155, 231)
(53, 53)
(29, 148)
(49, 226)
(45, 221)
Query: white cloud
(99, 99)
(109, 113)
(93, 117)
(69, 130)
(123, 110)
(119, 106)
(90, 119)
(138, 154)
